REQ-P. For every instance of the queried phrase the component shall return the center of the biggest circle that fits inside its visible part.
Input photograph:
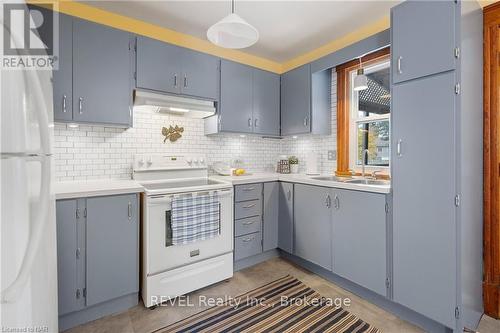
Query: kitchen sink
(329, 178)
(368, 181)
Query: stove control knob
(195, 161)
(189, 160)
(141, 162)
(202, 160)
(150, 161)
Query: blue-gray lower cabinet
(97, 255)
(424, 211)
(285, 217)
(359, 241)
(270, 212)
(313, 224)
(112, 243)
(70, 255)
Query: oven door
(162, 255)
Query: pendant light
(360, 81)
(232, 32)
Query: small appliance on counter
(283, 165)
(312, 163)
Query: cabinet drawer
(248, 245)
(247, 226)
(248, 192)
(247, 209)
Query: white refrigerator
(28, 260)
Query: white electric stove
(171, 270)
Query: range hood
(178, 105)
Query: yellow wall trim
(104, 17)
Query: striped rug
(264, 310)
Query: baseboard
(98, 311)
(256, 259)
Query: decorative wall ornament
(172, 133)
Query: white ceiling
(287, 28)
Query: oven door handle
(159, 201)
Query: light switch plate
(332, 155)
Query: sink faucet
(364, 160)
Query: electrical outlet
(332, 155)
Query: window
(363, 118)
(369, 118)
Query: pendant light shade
(232, 32)
(360, 81)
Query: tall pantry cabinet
(436, 56)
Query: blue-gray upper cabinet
(112, 247)
(266, 103)
(270, 215)
(159, 66)
(285, 217)
(101, 74)
(236, 105)
(296, 101)
(172, 69)
(423, 38)
(306, 101)
(63, 75)
(200, 74)
(70, 268)
(313, 224)
(360, 218)
(424, 212)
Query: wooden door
(491, 283)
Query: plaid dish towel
(195, 218)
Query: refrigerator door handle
(39, 214)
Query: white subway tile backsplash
(94, 152)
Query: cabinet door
(360, 218)
(270, 216)
(101, 74)
(63, 75)
(312, 229)
(423, 39)
(112, 247)
(266, 102)
(424, 212)
(236, 97)
(285, 218)
(69, 270)
(296, 101)
(201, 74)
(159, 66)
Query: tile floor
(142, 320)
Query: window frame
(344, 109)
(355, 120)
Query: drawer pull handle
(248, 223)
(246, 189)
(249, 239)
(249, 206)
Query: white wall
(95, 152)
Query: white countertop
(302, 179)
(94, 188)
